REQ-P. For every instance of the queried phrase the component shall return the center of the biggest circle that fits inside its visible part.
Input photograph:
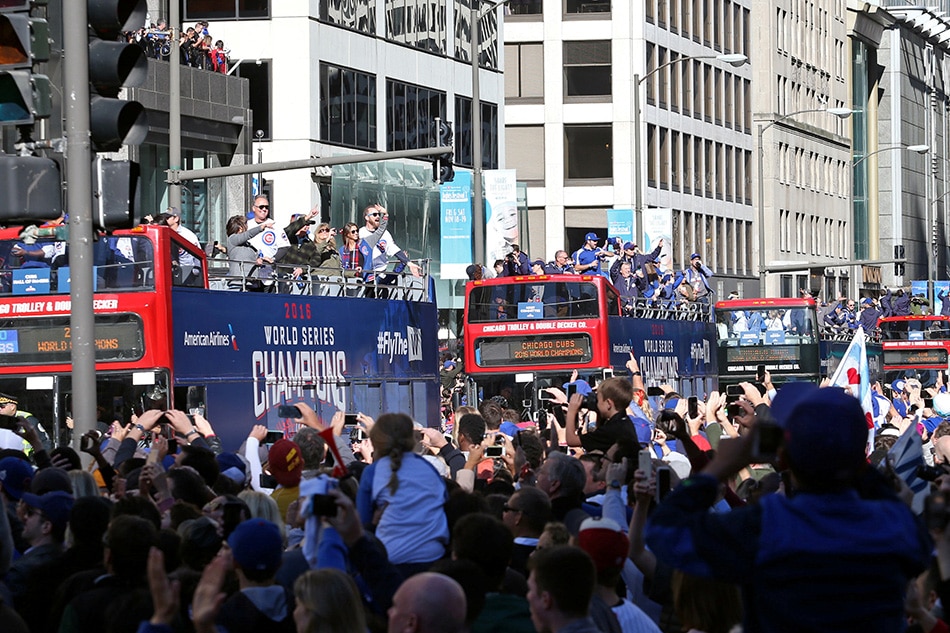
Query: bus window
(515, 301)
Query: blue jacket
(813, 562)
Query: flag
(853, 374)
(905, 456)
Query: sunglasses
(323, 231)
(263, 206)
(372, 215)
(353, 231)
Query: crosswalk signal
(25, 94)
(114, 65)
(898, 254)
(442, 168)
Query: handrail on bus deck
(325, 282)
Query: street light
(734, 59)
(917, 149)
(841, 113)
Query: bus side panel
(254, 352)
(833, 351)
(666, 350)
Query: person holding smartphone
(821, 558)
(613, 398)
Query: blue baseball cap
(695, 256)
(591, 236)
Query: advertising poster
(620, 224)
(501, 213)
(658, 225)
(455, 213)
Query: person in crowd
(636, 259)
(350, 255)
(428, 603)
(562, 479)
(311, 256)
(836, 320)
(605, 542)
(588, 258)
(408, 492)
(525, 514)
(378, 245)
(613, 398)
(627, 287)
(697, 277)
(560, 588)
(824, 557)
(260, 604)
(328, 601)
(10, 405)
(271, 250)
(219, 58)
(896, 303)
(537, 267)
(285, 462)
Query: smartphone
(928, 403)
(267, 481)
(646, 461)
(357, 434)
(350, 419)
(654, 391)
(760, 373)
(766, 439)
(495, 450)
(734, 390)
(692, 407)
(196, 411)
(571, 390)
(664, 482)
(544, 396)
(288, 411)
(733, 410)
(273, 436)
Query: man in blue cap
(820, 557)
(587, 259)
(697, 276)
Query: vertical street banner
(658, 225)
(501, 214)
(455, 213)
(942, 298)
(620, 224)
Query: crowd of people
(640, 278)
(613, 512)
(196, 46)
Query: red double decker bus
(915, 347)
(543, 327)
(164, 338)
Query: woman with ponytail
(403, 496)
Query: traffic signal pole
(78, 196)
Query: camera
(497, 450)
(929, 473)
(317, 499)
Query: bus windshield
(534, 300)
(41, 265)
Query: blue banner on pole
(620, 224)
(455, 213)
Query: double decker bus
(785, 336)
(164, 338)
(543, 327)
(915, 347)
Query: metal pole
(637, 175)
(79, 208)
(174, 102)
(761, 164)
(478, 210)
(174, 176)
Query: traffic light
(115, 193)
(24, 41)
(114, 65)
(898, 254)
(30, 189)
(442, 168)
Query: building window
(224, 9)
(358, 15)
(347, 107)
(410, 115)
(259, 90)
(524, 151)
(588, 151)
(586, 6)
(525, 7)
(487, 33)
(416, 23)
(587, 68)
(524, 76)
(463, 133)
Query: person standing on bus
(560, 265)
(271, 244)
(242, 257)
(588, 258)
(378, 245)
(869, 315)
(697, 276)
